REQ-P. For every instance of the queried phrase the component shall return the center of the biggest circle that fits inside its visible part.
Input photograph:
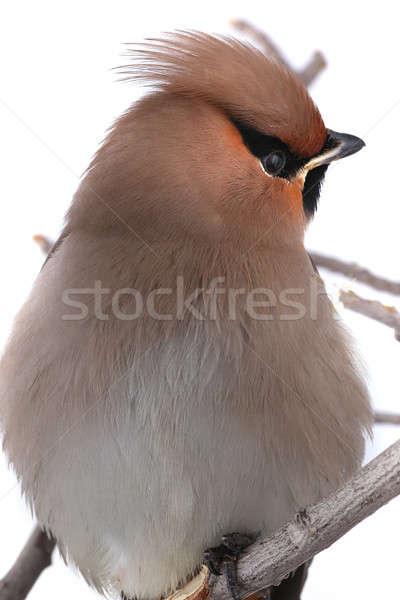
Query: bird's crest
(235, 77)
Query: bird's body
(144, 430)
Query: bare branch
(270, 560)
(388, 315)
(354, 271)
(299, 537)
(34, 558)
(316, 64)
(387, 418)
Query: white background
(57, 97)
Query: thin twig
(270, 560)
(44, 243)
(388, 315)
(313, 68)
(316, 64)
(34, 558)
(354, 271)
(387, 418)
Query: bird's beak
(338, 145)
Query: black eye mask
(268, 148)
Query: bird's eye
(274, 162)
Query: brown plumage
(143, 436)
(216, 70)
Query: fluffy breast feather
(133, 437)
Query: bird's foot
(222, 560)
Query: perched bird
(178, 373)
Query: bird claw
(223, 559)
(237, 542)
(213, 558)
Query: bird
(178, 381)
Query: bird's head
(228, 145)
